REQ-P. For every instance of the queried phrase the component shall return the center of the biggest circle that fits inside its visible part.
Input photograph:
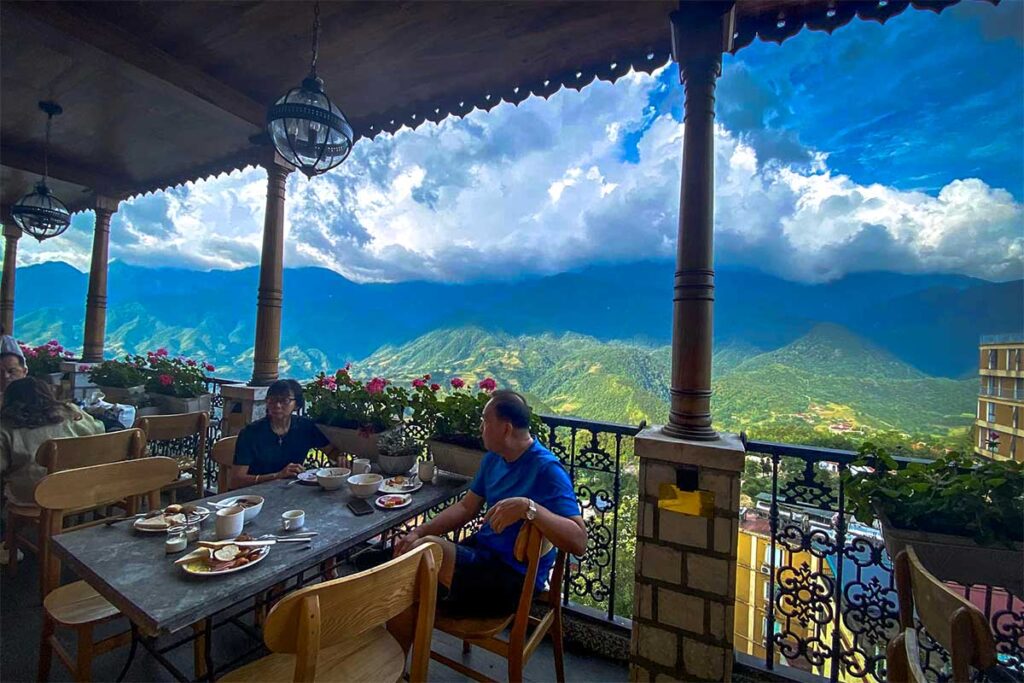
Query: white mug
(426, 471)
(229, 522)
(292, 520)
(360, 466)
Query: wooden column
(11, 234)
(267, 349)
(96, 299)
(699, 31)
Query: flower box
(123, 394)
(959, 558)
(357, 442)
(457, 459)
(173, 405)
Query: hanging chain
(315, 47)
(46, 149)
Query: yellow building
(1000, 433)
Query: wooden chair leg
(83, 656)
(557, 646)
(515, 667)
(466, 647)
(46, 648)
(199, 650)
(11, 541)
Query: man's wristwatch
(531, 511)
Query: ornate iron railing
(831, 605)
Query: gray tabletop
(131, 569)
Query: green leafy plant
(398, 442)
(951, 495)
(339, 400)
(180, 377)
(459, 412)
(44, 359)
(120, 374)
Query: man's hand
(290, 470)
(405, 543)
(506, 513)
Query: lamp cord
(315, 47)
(46, 150)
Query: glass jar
(192, 530)
(176, 540)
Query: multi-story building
(1000, 429)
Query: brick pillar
(243, 404)
(685, 563)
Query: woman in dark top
(276, 446)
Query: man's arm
(449, 519)
(565, 533)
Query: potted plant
(44, 361)
(965, 518)
(454, 418)
(398, 450)
(121, 381)
(352, 414)
(177, 385)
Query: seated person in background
(29, 416)
(519, 479)
(12, 362)
(275, 446)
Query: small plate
(200, 568)
(385, 487)
(202, 513)
(406, 497)
(308, 477)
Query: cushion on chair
(371, 656)
(78, 603)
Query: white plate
(408, 499)
(384, 488)
(307, 477)
(200, 510)
(264, 551)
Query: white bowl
(331, 478)
(364, 485)
(255, 504)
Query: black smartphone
(360, 507)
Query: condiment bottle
(176, 541)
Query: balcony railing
(831, 593)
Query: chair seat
(22, 510)
(472, 627)
(373, 655)
(77, 603)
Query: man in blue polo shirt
(519, 479)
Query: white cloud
(548, 186)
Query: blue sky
(896, 147)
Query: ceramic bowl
(331, 478)
(364, 485)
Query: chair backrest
(89, 487)
(531, 545)
(903, 659)
(74, 452)
(328, 613)
(952, 621)
(223, 453)
(182, 425)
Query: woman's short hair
(29, 402)
(21, 358)
(511, 407)
(288, 387)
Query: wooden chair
(335, 631)
(952, 621)
(77, 605)
(223, 453)
(166, 433)
(530, 547)
(57, 455)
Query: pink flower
(31, 353)
(435, 387)
(161, 352)
(330, 383)
(488, 384)
(457, 383)
(53, 342)
(166, 380)
(52, 352)
(191, 363)
(83, 368)
(209, 367)
(426, 376)
(376, 385)
(419, 383)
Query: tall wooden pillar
(700, 32)
(96, 299)
(11, 235)
(268, 301)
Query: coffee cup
(360, 466)
(292, 520)
(229, 521)
(426, 471)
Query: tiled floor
(19, 646)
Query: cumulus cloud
(576, 179)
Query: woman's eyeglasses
(280, 400)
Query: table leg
(208, 647)
(131, 654)
(150, 645)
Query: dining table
(133, 571)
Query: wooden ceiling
(159, 93)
